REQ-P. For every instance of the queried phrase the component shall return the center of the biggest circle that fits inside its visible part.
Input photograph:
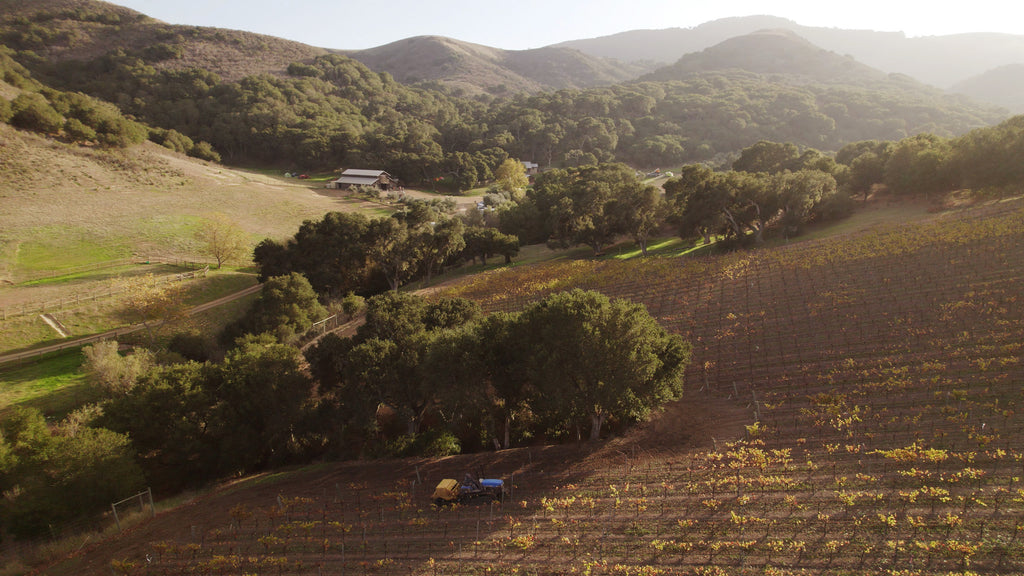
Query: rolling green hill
(1000, 86)
(84, 30)
(472, 69)
(773, 52)
(261, 101)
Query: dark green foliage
(78, 132)
(162, 51)
(639, 211)
(991, 157)
(51, 477)
(450, 313)
(589, 204)
(331, 253)
(194, 422)
(742, 206)
(192, 346)
(920, 165)
(573, 358)
(110, 126)
(299, 69)
(482, 243)
(327, 360)
(866, 162)
(696, 202)
(393, 316)
(333, 110)
(31, 111)
(768, 157)
(171, 139)
(261, 395)
(14, 73)
(204, 151)
(352, 304)
(432, 443)
(592, 359)
(167, 416)
(349, 253)
(286, 308)
(75, 116)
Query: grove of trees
(349, 252)
(424, 377)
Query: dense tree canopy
(779, 186)
(52, 475)
(335, 111)
(592, 358)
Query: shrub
(78, 132)
(441, 443)
(110, 371)
(433, 443)
(204, 151)
(31, 111)
(171, 139)
(352, 304)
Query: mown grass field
(68, 206)
(853, 407)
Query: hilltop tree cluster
(983, 159)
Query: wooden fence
(69, 302)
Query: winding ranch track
(121, 331)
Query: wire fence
(72, 343)
(75, 300)
(24, 277)
(44, 274)
(65, 537)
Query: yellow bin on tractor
(451, 491)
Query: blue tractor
(470, 491)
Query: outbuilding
(355, 177)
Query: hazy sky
(516, 25)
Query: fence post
(116, 519)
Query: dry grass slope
(67, 205)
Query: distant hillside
(1003, 86)
(772, 52)
(938, 60)
(61, 30)
(667, 45)
(324, 110)
(473, 68)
